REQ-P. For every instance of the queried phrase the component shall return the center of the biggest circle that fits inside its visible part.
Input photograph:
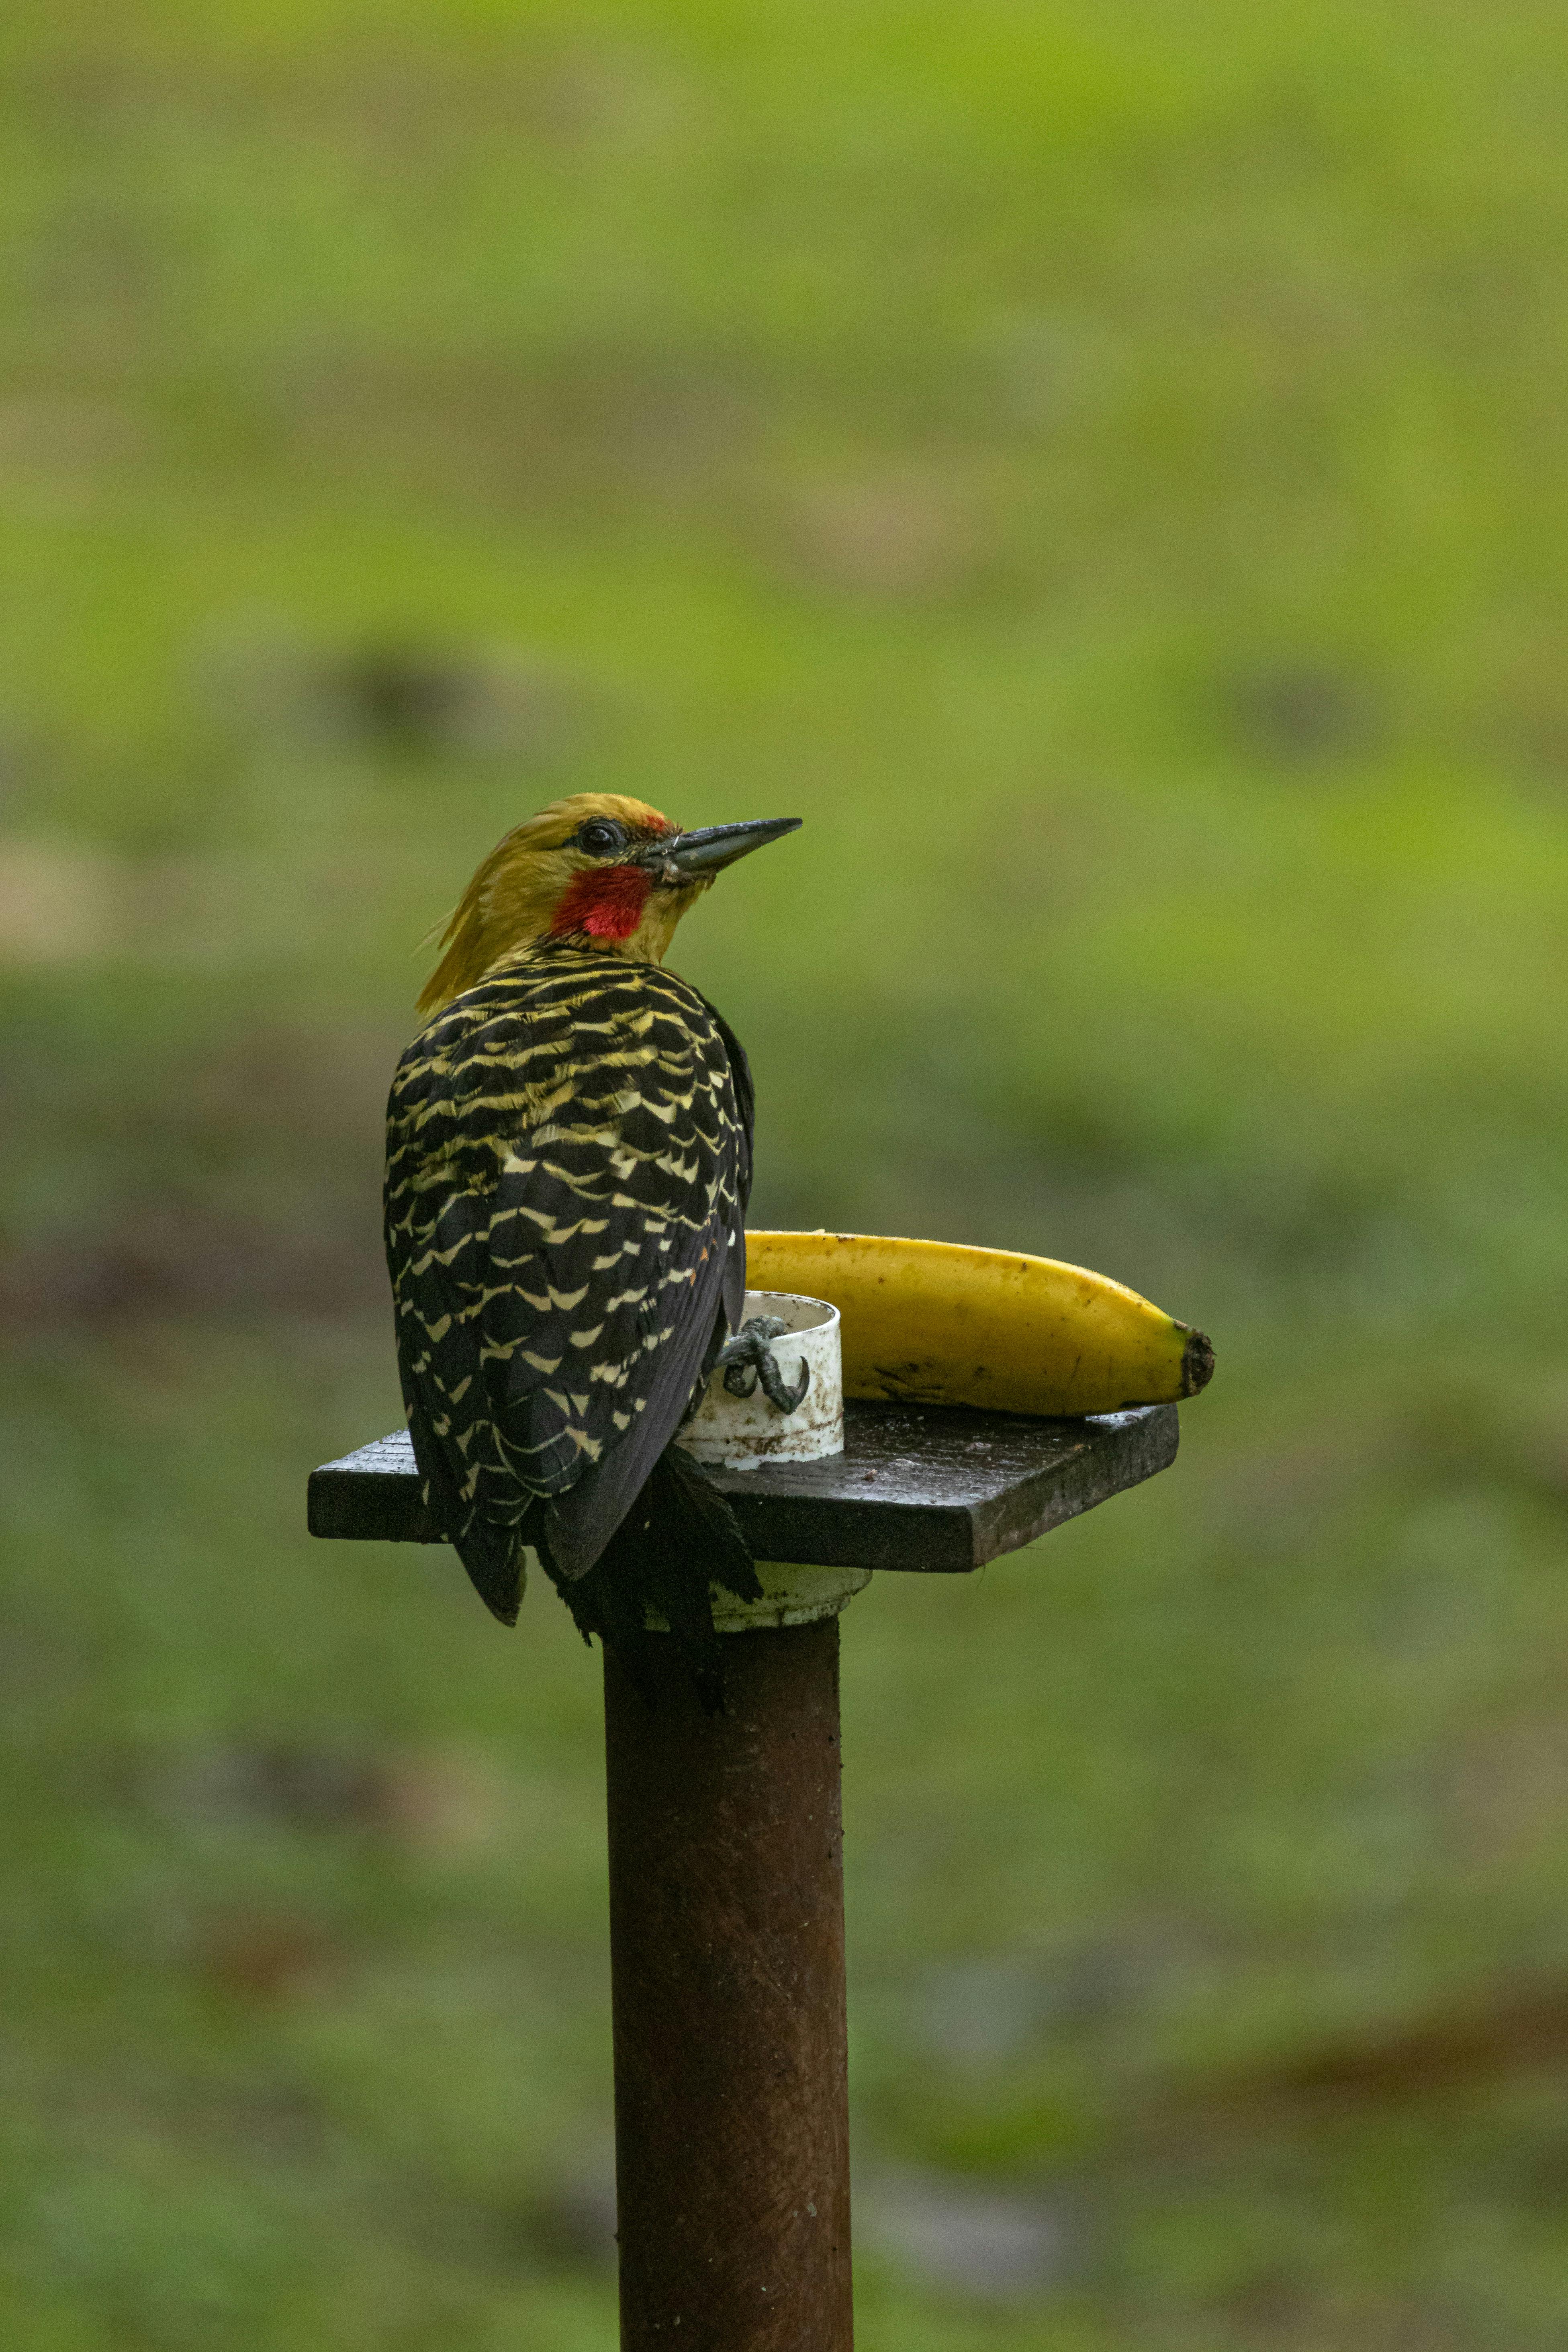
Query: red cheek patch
(606, 902)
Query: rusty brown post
(726, 1885)
(727, 1955)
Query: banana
(936, 1323)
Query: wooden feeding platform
(726, 1866)
(938, 1489)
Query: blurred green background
(1106, 469)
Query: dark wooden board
(916, 1486)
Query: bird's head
(595, 869)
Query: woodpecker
(569, 1157)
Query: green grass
(1105, 472)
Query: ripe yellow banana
(935, 1323)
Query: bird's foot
(748, 1358)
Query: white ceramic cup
(744, 1432)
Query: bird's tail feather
(679, 1538)
(490, 1549)
(492, 1554)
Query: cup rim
(823, 1320)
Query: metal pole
(727, 1953)
(727, 1922)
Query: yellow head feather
(513, 901)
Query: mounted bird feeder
(725, 1839)
(569, 1163)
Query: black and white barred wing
(566, 1184)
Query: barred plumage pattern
(569, 1158)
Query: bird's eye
(599, 837)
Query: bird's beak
(714, 847)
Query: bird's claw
(748, 1358)
(783, 1399)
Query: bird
(568, 1164)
